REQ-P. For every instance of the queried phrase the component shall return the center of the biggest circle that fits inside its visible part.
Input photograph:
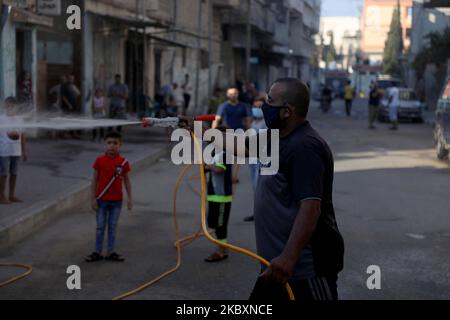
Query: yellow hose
(179, 243)
(16, 278)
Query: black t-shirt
(68, 93)
(306, 170)
(374, 97)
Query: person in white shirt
(394, 102)
(12, 147)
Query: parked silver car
(410, 107)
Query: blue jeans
(108, 212)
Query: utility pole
(210, 56)
(174, 38)
(248, 48)
(140, 7)
(199, 54)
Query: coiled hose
(27, 267)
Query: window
(432, 18)
(409, 10)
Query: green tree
(393, 47)
(437, 51)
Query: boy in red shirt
(110, 171)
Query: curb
(43, 213)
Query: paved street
(391, 199)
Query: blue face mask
(272, 115)
(257, 113)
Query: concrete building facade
(427, 18)
(375, 24)
(346, 33)
(200, 44)
(19, 23)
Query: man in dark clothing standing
(295, 223)
(374, 103)
(233, 113)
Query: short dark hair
(113, 135)
(11, 100)
(118, 76)
(297, 94)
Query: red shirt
(106, 167)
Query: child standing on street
(220, 197)
(110, 171)
(12, 148)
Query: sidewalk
(57, 176)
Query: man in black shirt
(295, 223)
(374, 103)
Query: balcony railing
(262, 16)
(296, 5)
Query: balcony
(149, 11)
(311, 16)
(226, 4)
(295, 5)
(263, 17)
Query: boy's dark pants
(348, 106)
(218, 216)
(108, 214)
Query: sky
(341, 7)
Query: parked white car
(410, 107)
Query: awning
(168, 42)
(436, 4)
(23, 16)
(123, 15)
